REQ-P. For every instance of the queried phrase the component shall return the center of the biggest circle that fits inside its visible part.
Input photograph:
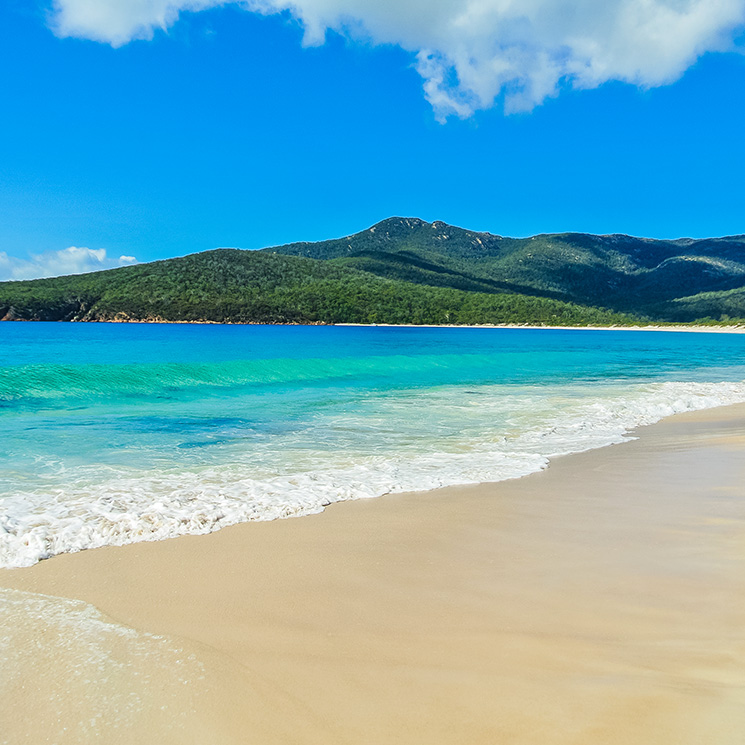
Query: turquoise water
(114, 433)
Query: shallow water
(116, 433)
(71, 675)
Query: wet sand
(601, 601)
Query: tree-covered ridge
(228, 285)
(406, 270)
(617, 271)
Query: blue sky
(239, 128)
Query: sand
(600, 601)
(683, 328)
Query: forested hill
(232, 286)
(405, 270)
(662, 279)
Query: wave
(51, 381)
(48, 383)
(121, 506)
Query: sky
(136, 130)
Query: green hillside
(405, 270)
(228, 285)
(637, 275)
(727, 306)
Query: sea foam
(504, 432)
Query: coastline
(713, 329)
(651, 327)
(600, 600)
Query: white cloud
(470, 52)
(72, 260)
(120, 21)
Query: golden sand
(601, 601)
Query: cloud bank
(472, 53)
(72, 260)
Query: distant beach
(600, 600)
(714, 329)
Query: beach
(679, 328)
(601, 600)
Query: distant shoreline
(651, 327)
(714, 329)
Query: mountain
(406, 270)
(657, 278)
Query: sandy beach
(600, 601)
(680, 328)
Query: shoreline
(528, 611)
(713, 329)
(651, 327)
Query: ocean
(117, 433)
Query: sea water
(116, 433)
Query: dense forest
(405, 270)
(227, 285)
(658, 279)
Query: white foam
(535, 425)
